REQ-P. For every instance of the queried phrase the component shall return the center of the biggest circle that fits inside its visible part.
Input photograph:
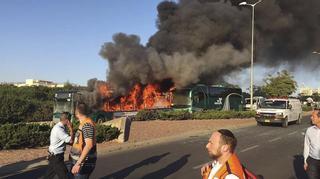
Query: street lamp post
(252, 42)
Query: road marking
(249, 148)
(293, 133)
(275, 139)
(199, 166)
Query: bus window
(181, 99)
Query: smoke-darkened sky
(206, 41)
(61, 40)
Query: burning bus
(149, 97)
(203, 97)
(66, 101)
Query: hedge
(213, 114)
(145, 115)
(307, 108)
(175, 115)
(26, 104)
(106, 133)
(23, 135)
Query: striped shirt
(312, 143)
(88, 131)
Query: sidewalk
(142, 133)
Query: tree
(257, 91)
(281, 85)
(68, 85)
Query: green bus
(204, 97)
(66, 101)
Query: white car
(256, 103)
(279, 111)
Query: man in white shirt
(226, 164)
(311, 152)
(58, 140)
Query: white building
(33, 82)
(307, 91)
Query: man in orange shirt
(83, 153)
(225, 165)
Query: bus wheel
(285, 123)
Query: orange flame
(105, 90)
(140, 97)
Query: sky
(60, 40)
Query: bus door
(199, 99)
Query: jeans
(313, 170)
(56, 167)
(81, 176)
(85, 171)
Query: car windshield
(274, 104)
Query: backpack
(247, 173)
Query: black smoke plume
(91, 95)
(201, 41)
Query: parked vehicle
(279, 111)
(256, 102)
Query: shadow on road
(298, 167)
(35, 173)
(169, 169)
(18, 167)
(126, 171)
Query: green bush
(213, 114)
(22, 135)
(306, 108)
(106, 133)
(184, 115)
(25, 104)
(146, 115)
(175, 115)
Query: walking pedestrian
(311, 152)
(83, 154)
(58, 140)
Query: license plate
(266, 120)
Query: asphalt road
(272, 151)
